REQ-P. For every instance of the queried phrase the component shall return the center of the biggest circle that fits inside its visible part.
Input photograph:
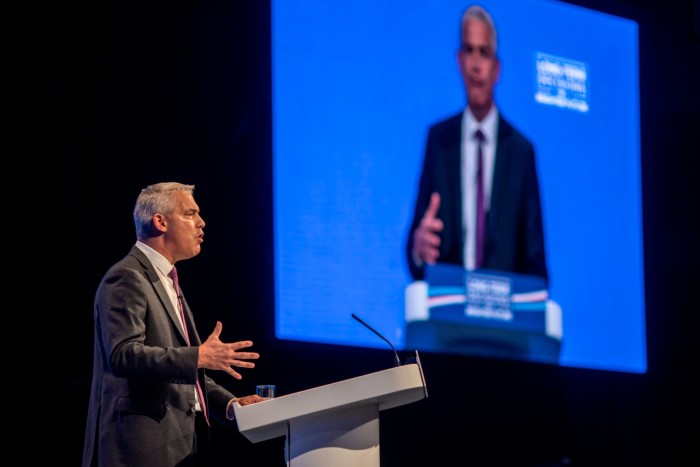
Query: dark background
(134, 93)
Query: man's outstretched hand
(217, 355)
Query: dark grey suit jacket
(141, 410)
(515, 238)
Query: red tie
(480, 210)
(173, 275)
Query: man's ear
(160, 222)
(460, 61)
(496, 70)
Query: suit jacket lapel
(500, 175)
(189, 319)
(453, 204)
(160, 291)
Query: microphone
(396, 354)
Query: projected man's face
(479, 66)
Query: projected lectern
(483, 312)
(336, 424)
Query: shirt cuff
(230, 415)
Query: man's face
(185, 227)
(479, 66)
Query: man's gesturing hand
(426, 239)
(217, 355)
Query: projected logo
(488, 296)
(561, 82)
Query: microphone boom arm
(396, 354)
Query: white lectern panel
(336, 424)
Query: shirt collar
(488, 125)
(159, 261)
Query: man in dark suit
(444, 223)
(151, 402)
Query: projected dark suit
(514, 236)
(515, 240)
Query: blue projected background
(355, 87)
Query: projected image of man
(445, 224)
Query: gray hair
(153, 199)
(478, 13)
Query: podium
(336, 424)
